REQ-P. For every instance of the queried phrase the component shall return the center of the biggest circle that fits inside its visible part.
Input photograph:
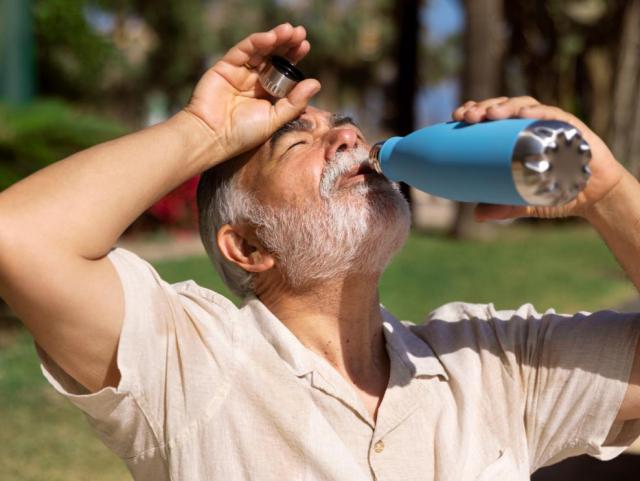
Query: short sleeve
(174, 356)
(574, 372)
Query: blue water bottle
(512, 161)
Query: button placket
(378, 447)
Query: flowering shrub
(178, 208)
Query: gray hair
(221, 201)
(311, 243)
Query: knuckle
(530, 99)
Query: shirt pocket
(502, 469)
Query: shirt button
(378, 447)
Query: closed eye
(296, 143)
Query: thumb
(291, 106)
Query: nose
(339, 139)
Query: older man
(311, 378)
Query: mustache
(342, 163)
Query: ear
(240, 247)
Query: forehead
(309, 121)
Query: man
(311, 379)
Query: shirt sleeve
(174, 352)
(574, 373)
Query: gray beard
(355, 229)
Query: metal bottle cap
(550, 163)
(280, 76)
(374, 156)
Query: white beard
(356, 229)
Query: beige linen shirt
(213, 392)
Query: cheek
(292, 186)
(301, 181)
(293, 179)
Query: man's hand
(606, 171)
(230, 100)
(611, 203)
(68, 293)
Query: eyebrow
(336, 120)
(295, 125)
(304, 125)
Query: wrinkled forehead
(261, 159)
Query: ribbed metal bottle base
(550, 163)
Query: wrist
(204, 148)
(620, 204)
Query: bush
(46, 131)
(43, 132)
(178, 209)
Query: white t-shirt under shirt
(212, 392)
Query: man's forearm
(617, 219)
(83, 203)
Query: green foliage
(345, 33)
(43, 437)
(72, 57)
(33, 137)
(146, 47)
(177, 55)
(441, 61)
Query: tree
(582, 56)
(625, 123)
(401, 97)
(72, 58)
(484, 45)
(16, 52)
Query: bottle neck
(374, 156)
(380, 153)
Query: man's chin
(356, 231)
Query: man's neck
(339, 320)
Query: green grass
(565, 267)
(44, 438)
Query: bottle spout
(374, 156)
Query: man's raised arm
(610, 202)
(57, 226)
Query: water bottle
(511, 161)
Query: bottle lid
(280, 76)
(550, 163)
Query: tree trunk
(484, 46)
(625, 125)
(598, 64)
(400, 106)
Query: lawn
(564, 267)
(567, 267)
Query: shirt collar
(413, 352)
(286, 344)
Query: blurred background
(74, 73)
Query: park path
(175, 247)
